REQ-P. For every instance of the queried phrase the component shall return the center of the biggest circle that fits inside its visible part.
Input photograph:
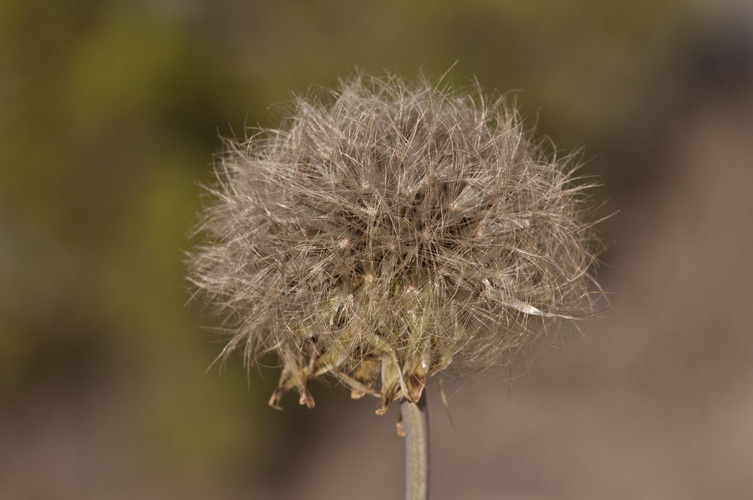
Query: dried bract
(388, 233)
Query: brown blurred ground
(109, 114)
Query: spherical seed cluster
(389, 233)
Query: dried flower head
(388, 233)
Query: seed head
(390, 232)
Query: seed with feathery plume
(390, 232)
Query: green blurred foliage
(110, 113)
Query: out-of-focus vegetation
(110, 113)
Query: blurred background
(110, 114)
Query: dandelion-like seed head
(390, 232)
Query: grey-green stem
(416, 426)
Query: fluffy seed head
(388, 233)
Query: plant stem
(416, 425)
